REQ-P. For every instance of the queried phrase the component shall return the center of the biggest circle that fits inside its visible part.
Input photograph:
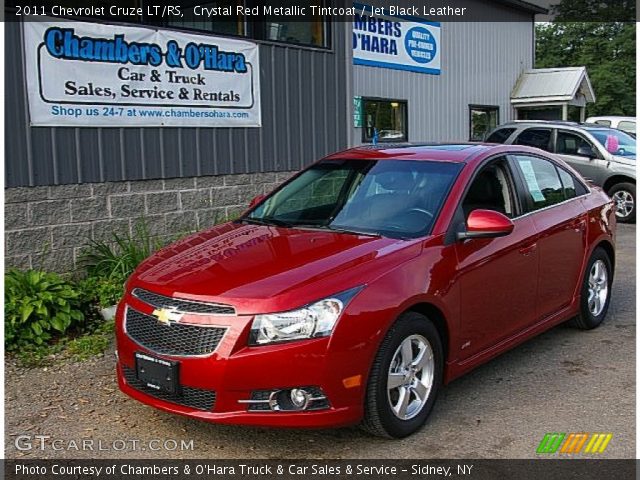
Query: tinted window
(606, 123)
(568, 183)
(535, 137)
(500, 136)
(627, 126)
(395, 198)
(568, 143)
(541, 180)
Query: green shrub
(37, 305)
(119, 258)
(102, 292)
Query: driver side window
(568, 143)
(491, 190)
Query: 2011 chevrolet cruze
(357, 288)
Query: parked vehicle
(626, 124)
(360, 286)
(604, 156)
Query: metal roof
(552, 85)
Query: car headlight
(313, 321)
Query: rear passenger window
(541, 180)
(500, 136)
(606, 123)
(572, 187)
(535, 137)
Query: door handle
(528, 250)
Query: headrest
(395, 181)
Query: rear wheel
(624, 195)
(405, 378)
(596, 291)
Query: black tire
(379, 418)
(586, 320)
(630, 189)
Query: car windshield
(615, 141)
(394, 198)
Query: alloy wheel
(598, 288)
(410, 377)
(624, 203)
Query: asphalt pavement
(565, 380)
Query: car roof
(444, 152)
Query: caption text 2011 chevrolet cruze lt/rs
(361, 285)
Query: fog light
(300, 398)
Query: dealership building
(179, 124)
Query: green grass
(77, 349)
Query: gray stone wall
(48, 227)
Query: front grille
(173, 339)
(189, 397)
(186, 306)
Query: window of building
(311, 33)
(482, 120)
(500, 136)
(223, 25)
(535, 137)
(274, 28)
(541, 180)
(384, 119)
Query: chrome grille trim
(177, 339)
(184, 306)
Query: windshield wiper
(270, 222)
(351, 231)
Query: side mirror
(256, 200)
(486, 224)
(585, 151)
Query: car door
(538, 137)
(551, 194)
(498, 276)
(592, 167)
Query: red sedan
(358, 288)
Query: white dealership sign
(397, 42)
(88, 74)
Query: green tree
(608, 50)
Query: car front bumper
(217, 387)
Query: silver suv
(604, 156)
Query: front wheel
(624, 196)
(405, 378)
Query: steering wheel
(421, 210)
(398, 226)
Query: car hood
(631, 161)
(266, 269)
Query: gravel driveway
(563, 381)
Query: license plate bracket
(157, 373)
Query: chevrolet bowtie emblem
(167, 315)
